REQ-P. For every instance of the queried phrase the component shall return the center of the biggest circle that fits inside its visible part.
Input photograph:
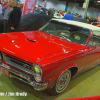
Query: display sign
(99, 18)
(43, 4)
(29, 6)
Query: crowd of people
(42, 10)
(66, 14)
(91, 19)
(11, 13)
(5, 3)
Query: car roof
(95, 29)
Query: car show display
(49, 57)
(29, 22)
(33, 21)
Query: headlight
(37, 68)
(38, 72)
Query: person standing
(0, 9)
(14, 18)
(7, 10)
(52, 12)
(49, 11)
(4, 4)
(68, 16)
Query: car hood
(34, 45)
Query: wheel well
(73, 71)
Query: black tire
(61, 84)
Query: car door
(93, 52)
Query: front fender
(52, 81)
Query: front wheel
(61, 84)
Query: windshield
(67, 31)
(58, 14)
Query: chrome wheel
(63, 81)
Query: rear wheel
(61, 84)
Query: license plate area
(5, 69)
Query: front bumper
(11, 72)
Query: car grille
(23, 65)
(20, 75)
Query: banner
(99, 18)
(44, 4)
(29, 6)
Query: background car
(58, 15)
(30, 22)
(33, 21)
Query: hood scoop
(31, 40)
(30, 37)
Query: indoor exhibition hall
(49, 49)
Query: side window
(90, 41)
(96, 39)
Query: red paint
(52, 53)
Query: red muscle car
(49, 57)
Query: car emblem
(25, 65)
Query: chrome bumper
(25, 78)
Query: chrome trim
(36, 86)
(5, 66)
(25, 78)
(19, 75)
(19, 64)
(86, 70)
(41, 89)
(12, 76)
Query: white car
(58, 15)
